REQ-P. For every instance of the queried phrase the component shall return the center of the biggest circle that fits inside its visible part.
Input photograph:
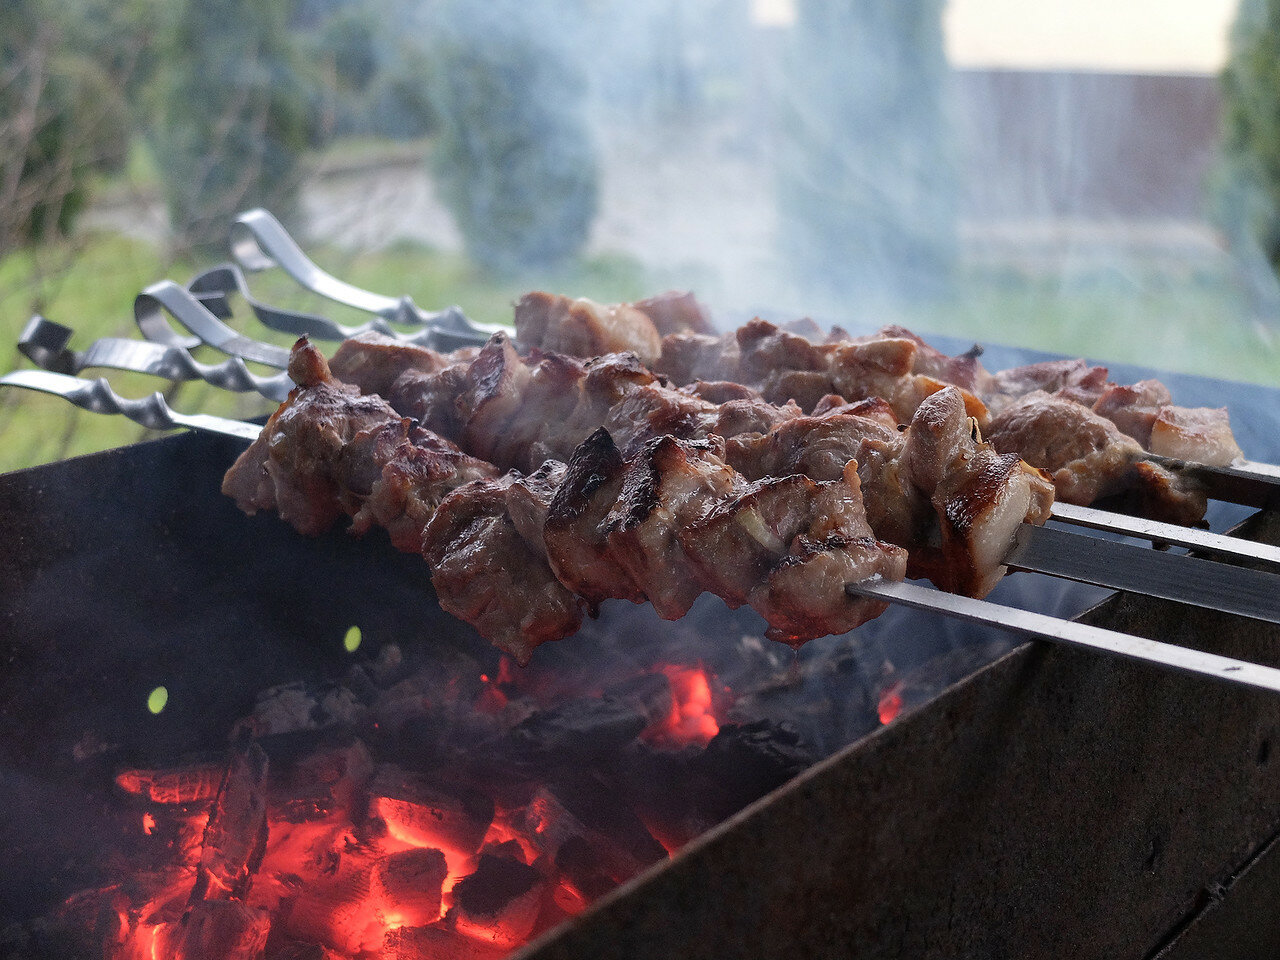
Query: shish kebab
(1069, 557)
(153, 412)
(817, 446)
(1090, 457)
(673, 335)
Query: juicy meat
(979, 497)
(817, 447)
(787, 546)
(675, 312)
(1133, 408)
(373, 362)
(584, 328)
(486, 573)
(1087, 455)
(1089, 458)
(1074, 380)
(575, 534)
(1202, 434)
(688, 357)
(668, 485)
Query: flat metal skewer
(1167, 655)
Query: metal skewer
(1069, 632)
(45, 343)
(259, 242)
(153, 412)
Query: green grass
(1197, 324)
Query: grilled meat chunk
(676, 312)
(668, 485)
(1089, 458)
(329, 451)
(584, 328)
(575, 534)
(373, 361)
(787, 546)
(1201, 434)
(487, 574)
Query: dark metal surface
(1170, 576)
(128, 570)
(1055, 804)
(1098, 639)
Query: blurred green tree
(1246, 188)
(514, 156)
(234, 105)
(866, 177)
(62, 117)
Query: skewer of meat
(520, 411)
(331, 451)
(1021, 410)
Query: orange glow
(148, 824)
(890, 704)
(691, 719)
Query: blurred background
(1077, 176)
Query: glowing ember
(356, 826)
(890, 704)
(691, 720)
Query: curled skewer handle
(97, 396)
(45, 344)
(259, 242)
(443, 330)
(167, 297)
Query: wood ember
(223, 930)
(581, 731)
(746, 761)
(337, 910)
(424, 814)
(341, 838)
(236, 836)
(294, 950)
(413, 881)
(185, 784)
(500, 902)
(437, 942)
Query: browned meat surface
(1089, 458)
(720, 391)
(1133, 408)
(584, 328)
(411, 484)
(575, 534)
(1201, 434)
(655, 411)
(529, 501)
(963, 370)
(818, 447)
(486, 573)
(1087, 455)
(373, 362)
(873, 408)
(668, 485)
(687, 357)
(979, 497)
(432, 398)
(293, 465)
(1073, 379)
(329, 451)
(788, 546)
(675, 312)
